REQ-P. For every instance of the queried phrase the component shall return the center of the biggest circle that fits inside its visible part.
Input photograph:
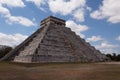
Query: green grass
(59, 71)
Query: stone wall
(54, 42)
(58, 44)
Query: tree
(114, 57)
(118, 57)
(4, 51)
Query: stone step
(56, 50)
(31, 47)
(55, 45)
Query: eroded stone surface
(54, 42)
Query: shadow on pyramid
(54, 42)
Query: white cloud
(74, 8)
(20, 20)
(106, 45)
(88, 8)
(37, 2)
(11, 3)
(109, 51)
(118, 38)
(11, 39)
(96, 15)
(79, 15)
(76, 27)
(110, 10)
(94, 39)
(4, 11)
(65, 7)
(14, 19)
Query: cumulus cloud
(65, 7)
(88, 8)
(94, 39)
(69, 7)
(11, 39)
(4, 11)
(106, 45)
(20, 20)
(118, 38)
(11, 3)
(110, 51)
(110, 10)
(77, 27)
(74, 8)
(79, 15)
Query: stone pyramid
(54, 42)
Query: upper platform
(53, 20)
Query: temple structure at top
(52, 20)
(53, 42)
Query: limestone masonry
(54, 42)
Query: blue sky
(97, 21)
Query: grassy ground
(60, 71)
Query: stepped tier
(54, 42)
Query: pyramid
(54, 42)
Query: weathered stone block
(54, 42)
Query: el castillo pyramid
(54, 42)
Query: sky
(97, 21)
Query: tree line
(114, 56)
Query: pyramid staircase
(54, 42)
